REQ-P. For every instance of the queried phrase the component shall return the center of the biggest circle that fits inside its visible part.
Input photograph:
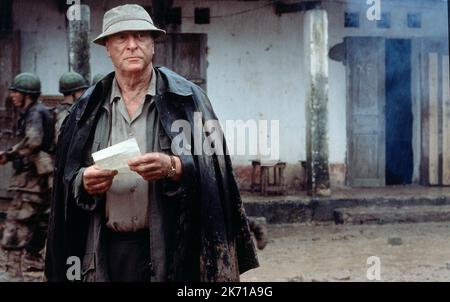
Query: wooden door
(184, 54)
(365, 59)
(9, 67)
(435, 112)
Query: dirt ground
(407, 252)
(299, 252)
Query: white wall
(255, 67)
(243, 39)
(255, 59)
(44, 44)
(43, 41)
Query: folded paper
(117, 156)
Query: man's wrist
(172, 171)
(177, 171)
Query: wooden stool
(265, 185)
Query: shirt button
(131, 134)
(134, 218)
(188, 147)
(132, 189)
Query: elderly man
(181, 218)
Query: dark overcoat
(207, 236)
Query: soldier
(72, 86)
(97, 78)
(26, 222)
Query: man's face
(17, 98)
(78, 93)
(130, 51)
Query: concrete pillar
(79, 27)
(316, 63)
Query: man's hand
(3, 159)
(154, 166)
(97, 180)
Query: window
(174, 15)
(414, 20)
(385, 21)
(351, 19)
(5, 15)
(202, 15)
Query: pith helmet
(27, 83)
(128, 17)
(70, 82)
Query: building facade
(388, 107)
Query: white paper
(117, 156)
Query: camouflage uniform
(27, 217)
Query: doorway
(366, 143)
(398, 111)
(379, 111)
(185, 54)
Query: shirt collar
(116, 94)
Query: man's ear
(152, 47)
(107, 48)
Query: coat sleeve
(82, 198)
(187, 183)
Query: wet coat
(204, 226)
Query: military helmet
(70, 82)
(97, 78)
(27, 83)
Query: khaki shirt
(127, 200)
